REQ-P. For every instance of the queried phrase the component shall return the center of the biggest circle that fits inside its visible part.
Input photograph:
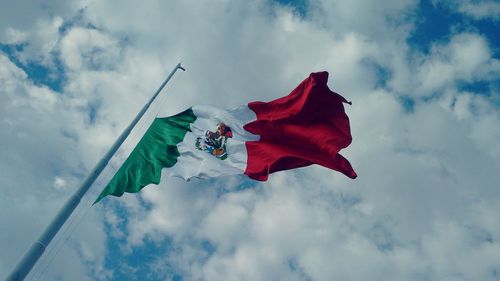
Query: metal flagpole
(29, 259)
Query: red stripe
(309, 126)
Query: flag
(308, 126)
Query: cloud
(478, 10)
(467, 57)
(25, 17)
(424, 202)
(88, 49)
(37, 162)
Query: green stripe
(156, 150)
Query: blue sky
(424, 78)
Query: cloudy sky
(424, 79)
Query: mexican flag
(308, 126)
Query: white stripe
(201, 164)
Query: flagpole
(29, 259)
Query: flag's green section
(156, 150)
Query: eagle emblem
(215, 142)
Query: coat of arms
(215, 142)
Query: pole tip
(180, 66)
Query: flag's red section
(309, 126)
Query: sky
(424, 81)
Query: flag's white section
(194, 162)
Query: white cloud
(25, 16)
(426, 196)
(89, 49)
(34, 153)
(371, 19)
(59, 183)
(467, 57)
(485, 9)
